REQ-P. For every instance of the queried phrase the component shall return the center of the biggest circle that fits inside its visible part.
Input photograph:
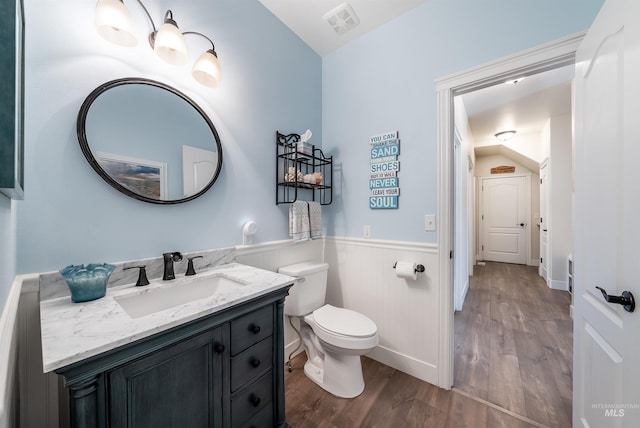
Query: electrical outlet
(430, 222)
(366, 231)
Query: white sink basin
(182, 291)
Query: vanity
(200, 351)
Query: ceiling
(305, 18)
(525, 106)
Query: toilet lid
(344, 322)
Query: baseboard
(9, 392)
(409, 365)
(290, 349)
(558, 285)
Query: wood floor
(512, 367)
(514, 344)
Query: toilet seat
(343, 328)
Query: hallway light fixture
(505, 135)
(515, 81)
(114, 23)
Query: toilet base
(341, 375)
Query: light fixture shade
(206, 69)
(113, 22)
(505, 135)
(169, 44)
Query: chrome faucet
(169, 258)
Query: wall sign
(383, 171)
(503, 170)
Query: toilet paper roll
(406, 270)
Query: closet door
(504, 219)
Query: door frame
(527, 208)
(546, 57)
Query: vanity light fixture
(113, 22)
(505, 135)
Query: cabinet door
(177, 386)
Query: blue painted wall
(270, 81)
(384, 81)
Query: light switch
(366, 231)
(430, 222)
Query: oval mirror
(149, 141)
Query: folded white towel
(299, 228)
(315, 220)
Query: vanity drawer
(251, 363)
(262, 419)
(250, 329)
(252, 400)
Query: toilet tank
(307, 294)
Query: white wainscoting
(39, 392)
(407, 312)
(271, 256)
(9, 390)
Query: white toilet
(334, 338)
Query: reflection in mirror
(149, 141)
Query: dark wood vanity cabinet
(222, 370)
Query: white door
(198, 167)
(504, 219)
(607, 229)
(544, 221)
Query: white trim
(542, 58)
(445, 237)
(387, 245)
(266, 246)
(9, 354)
(405, 363)
(290, 347)
(555, 284)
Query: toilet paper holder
(419, 268)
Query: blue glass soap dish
(87, 282)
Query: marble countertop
(72, 332)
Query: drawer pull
(219, 348)
(255, 400)
(255, 328)
(255, 363)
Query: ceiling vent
(342, 18)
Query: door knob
(522, 224)
(626, 300)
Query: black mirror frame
(84, 144)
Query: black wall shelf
(302, 162)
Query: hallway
(513, 344)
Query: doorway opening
(499, 353)
(528, 63)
